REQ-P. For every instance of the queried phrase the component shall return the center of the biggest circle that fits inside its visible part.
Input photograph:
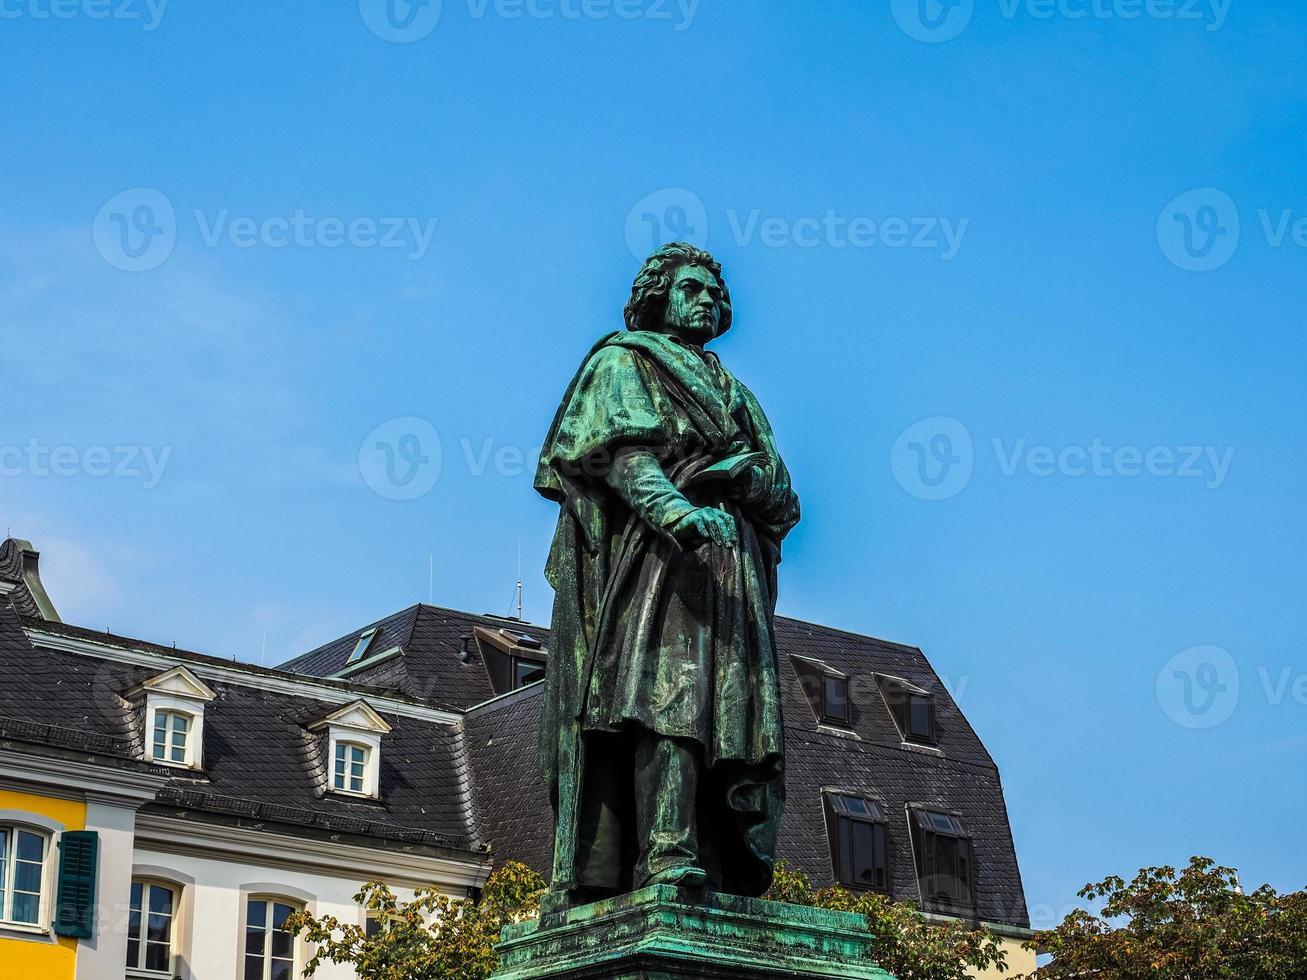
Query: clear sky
(973, 290)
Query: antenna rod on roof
(519, 580)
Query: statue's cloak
(647, 634)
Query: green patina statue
(661, 723)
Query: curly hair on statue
(645, 308)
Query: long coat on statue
(651, 635)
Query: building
(224, 794)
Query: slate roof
(430, 669)
(260, 759)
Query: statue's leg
(667, 790)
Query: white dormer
(174, 718)
(354, 749)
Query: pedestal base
(666, 933)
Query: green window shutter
(79, 857)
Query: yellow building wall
(1019, 962)
(21, 959)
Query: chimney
(20, 580)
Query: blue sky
(1020, 289)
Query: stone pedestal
(666, 933)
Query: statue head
(680, 291)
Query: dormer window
(361, 647)
(912, 708)
(512, 659)
(859, 847)
(352, 737)
(827, 690)
(943, 851)
(174, 704)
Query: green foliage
(907, 945)
(1197, 925)
(433, 937)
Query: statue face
(694, 305)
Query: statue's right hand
(704, 525)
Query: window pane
(158, 956)
(133, 952)
(256, 922)
(159, 928)
(835, 695)
(862, 853)
(253, 968)
(941, 822)
(160, 900)
(180, 724)
(280, 913)
(341, 749)
(27, 908)
(31, 847)
(919, 717)
(283, 943)
(854, 806)
(136, 895)
(281, 970)
(134, 924)
(27, 877)
(179, 753)
(356, 755)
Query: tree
(1197, 925)
(433, 937)
(906, 944)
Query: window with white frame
(23, 852)
(269, 948)
(152, 928)
(172, 737)
(350, 771)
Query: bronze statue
(661, 723)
